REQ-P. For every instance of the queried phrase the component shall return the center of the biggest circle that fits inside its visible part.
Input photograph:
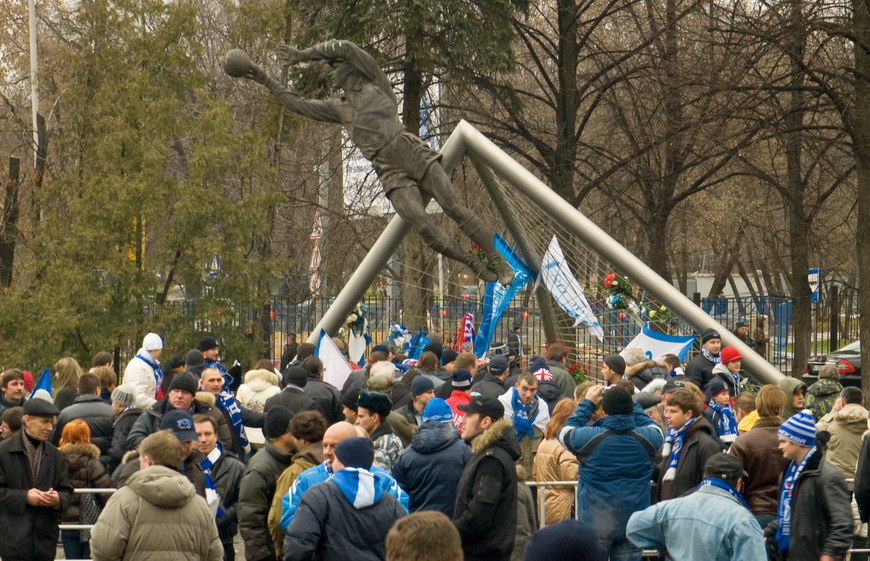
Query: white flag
(335, 366)
(356, 345)
(559, 280)
(655, 344)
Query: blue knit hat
(437, 410)
(355, 452)
(800, 428)
(420, 385)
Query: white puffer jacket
(259, 386)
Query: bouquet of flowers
(478, 252)
(400, 338)
(577, 372)
(661, 314)
(356, 321)
(621, 292)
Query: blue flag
(418, 342)
(44, 383)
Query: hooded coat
(789, 385)
(643, 372)
(846, 427)
(346, 517)
(430, 467)
(259, 386)
(255, 497)
(120, 431)
(486, 498)
(157, 516)
(821, 396)
(554, 463)
(29, 533)
(85, 470)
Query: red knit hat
(729, 354)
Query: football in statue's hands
(237, 63)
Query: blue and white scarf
(158, 374)
(725, 486)
(212, 497)
(523, 416)
(673, 446)
(714, 359)
(727, 424)
(358, 486)
(783, 513)
(228, 403)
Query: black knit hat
(355, 452)
(194, 361)
(376, 402)
(349, 398)
(296, 375)
(207, 343)
(434, 348)
(184, 381)
(277, 421)
(708, 334)
(615, 363)
(617, 401)
(448, 356)
(569, 540)
(420, 385)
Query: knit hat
(194, 361)
(296, 375)
(277, 421)
(420, 385)
(207, 343)
(38, 407)
(152, 342)
(715, 386)
(175, 361)
(615, 363)
(498, 349)
(568, 540)
(741, 324)
(180, 423)
(617, 401)
(498, 364)
(729, 354)
(349, 398)
(123, 395)
(538, 363)
(355, 452)
(448, 356)
(382, 348)
(376, 402)
(434, 348)
(708, 334)
(437, 410)
(800, 428)
(28, 380)
(184, 381)
(461, 379)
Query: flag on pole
(467, 331)
(335, 366)
(655, 344)
(44, 383)
(560, 281)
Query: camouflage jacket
(821, 396)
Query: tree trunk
(861, 146)
(9, 224)
(657, 236)
(567, 103)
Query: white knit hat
(152, 342)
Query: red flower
(608, 280)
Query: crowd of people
(431, 459)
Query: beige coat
(156, 516)
(554, 463)
(846, 427)
(259, 386)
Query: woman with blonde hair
(67, 371)
(554, 463)
(85, 471)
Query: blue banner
(497, 296)
(418, 342)
(44, 383)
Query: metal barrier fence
(82, 491)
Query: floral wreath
(621, 292)
(356, 321)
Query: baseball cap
(180, 423)
(724, 466)
(498, 363)
(485, 406)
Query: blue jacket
(709, 524)
(318, 474)
(431, 466)
(614, 478)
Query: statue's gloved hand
(288, 56)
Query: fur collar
(637, 367)
(264, 375)
(490, 436)
(84, 448)
(206, 398)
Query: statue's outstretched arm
(348, 52)
(317, 109)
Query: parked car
(847, 360)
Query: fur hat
(376, 402)
(207, 343)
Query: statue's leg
(409, 205)
(437, 183)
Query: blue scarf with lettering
(158, 374)
(673, 446)
(727, 428)
(228, 403)
(524, 415)
(725, 486)
(714, 359)
(211, 494)
(220, 367)
(783, 513)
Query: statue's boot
(438, 240)
(479, 234)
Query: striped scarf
(34, 455)
(673, 447)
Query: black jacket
(699, 371)
(29, 533)
(698, 445)
(227, 474)
(486, 498)
(256, 491)
(120, 432)
(294, 399)
(249, 419)
(862, 479)
(400, 395)
(327, 398)
(328, 527)
(4, 405)
(149, 422)
(96, 413)
(551, 393)
(430, 467)
(821, 514)
(410, 414)
(490, 386)
(65, 397)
